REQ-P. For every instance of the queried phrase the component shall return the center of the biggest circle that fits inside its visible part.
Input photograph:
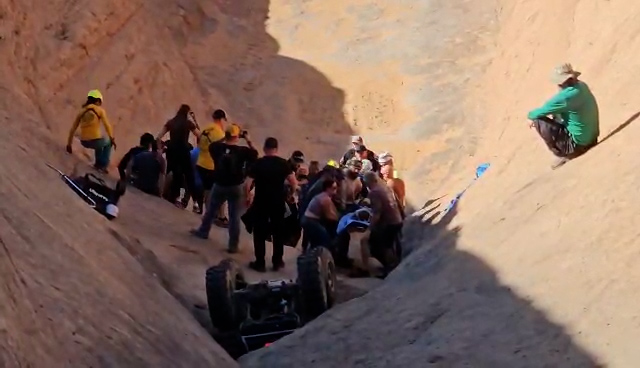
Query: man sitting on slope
(569, 122)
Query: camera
(243, 134)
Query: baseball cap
(233, 130)
(356, 139)
(219, 115)
(297, 156)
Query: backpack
(229, 164)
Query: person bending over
(569, 122)
(88, 120)
(149, 169)
(268, 177)
(147, 142)
(385, 226)
(230, 159)
(321, 216)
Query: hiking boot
(257, 266)
(559, 162)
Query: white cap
(356, 139)
(384, 158)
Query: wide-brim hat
(563, 72)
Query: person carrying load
(88, 120)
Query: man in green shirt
(569, 122)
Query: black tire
(221, 283)
(317, 282)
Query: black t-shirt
(269, 174)
(179, 129)
(148, 166)
(122, 166)
(231, 162)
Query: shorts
(207, 177)
(382, 239)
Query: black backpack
(229, 164)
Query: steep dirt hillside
(80, 291)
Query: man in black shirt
(150, 169)
(269, 174)
(231, 161)
(146, 143)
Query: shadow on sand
(442, 306)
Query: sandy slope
(535, 268)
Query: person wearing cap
(213, 132)
(569, 121)
(356, 141)
(364, 154)
(231, 160)
(88, 120)
(296, 159)
(388, 174)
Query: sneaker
(198, 234)
(259, 267)
(278, 266)
(222, 222)
(559, 162)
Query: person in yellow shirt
(88, 120)
(214, 132)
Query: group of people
(267, 191)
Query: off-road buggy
(95, 192)
(247, 317)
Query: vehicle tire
(317, 282)
(221, 282)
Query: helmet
(95, 94)
(332, 163)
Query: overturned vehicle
(247, 316)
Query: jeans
(219, 194)
(317, 234)
(102, 151)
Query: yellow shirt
(211, 133)
(89, 120)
